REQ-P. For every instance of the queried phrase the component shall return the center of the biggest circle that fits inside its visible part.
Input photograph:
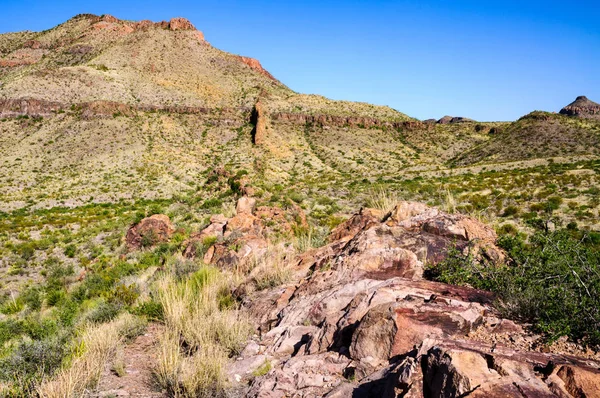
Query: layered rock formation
(360, 321)
(346, 121)
(582, 107)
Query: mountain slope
(105, 109)
(537, 135)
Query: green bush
(104, 312)
(70, 250)
(552, 281)
(152, 310)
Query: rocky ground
(358, 319)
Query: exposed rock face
(15, 107)
(242, 238)
(150, 231)
(582, 107)
(180, 24)
(260, 121)
(345, 121)
(104, 109)
(28, 106)
(362, 322)
(454, 119)
(255, 65)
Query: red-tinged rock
(104, 109)
(364, 219)
(254, 64)
(149, 232)
(245, 205)
(33, 44)
(180, 24)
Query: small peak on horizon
(582, 107)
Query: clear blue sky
(488, 60)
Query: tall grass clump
(382, 199)
(204, 328)
(94, 348)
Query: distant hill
(540, 135)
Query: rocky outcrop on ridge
(347, 121)
(582, 107)
(256, 65)
(454, 119)
(361, 321)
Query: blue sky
(488, 60)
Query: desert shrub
(152, 310)
(552, 281)
(31, 361)
(70, 250)
(125, 294)
(104, 312)
(149, 238)
(211, 203)
(510, 211)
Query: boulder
(245, 205)
(149, 232)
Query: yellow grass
(96, 346)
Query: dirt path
(138, 359)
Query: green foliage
(32, 360)
(262, 369)
(106, 311)
(211, 203)
(152, 310)
(70, 250)
(552, 281)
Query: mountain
(582, 107)
(537, 135)
(99, 109)
(107, 109)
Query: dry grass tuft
(273, 268)
(382, 199)
(200, 315)
(96, 346)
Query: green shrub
(70, 250)
(104, 312)
(552, 281)
(31, 361)
(152, 310)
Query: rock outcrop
(255, 65)
(228, 242)
(361, 321)
(454, 120)
(347, 121)
(582, 107)
(149, 232)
